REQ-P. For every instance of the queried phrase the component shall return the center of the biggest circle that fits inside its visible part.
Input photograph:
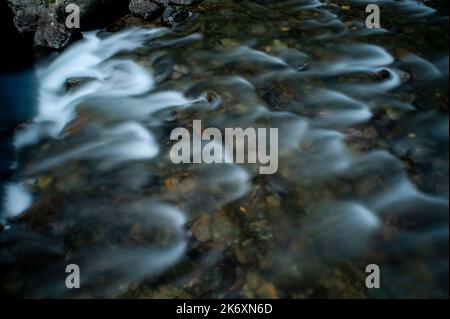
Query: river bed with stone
(363, 155)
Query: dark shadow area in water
(18, 89)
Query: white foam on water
(339, 109)
(137, 264)
(87, 58)
(17, 200)
(83, 58)
(123, 142)
(246, 54)
(421, 69)
(112, 108)
(352, 58)
(402, 192)
(344, 225)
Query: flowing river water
(363, 157)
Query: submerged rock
(174, 15)
(73, 83)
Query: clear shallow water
(363, 168)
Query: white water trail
(17, 199)
(107, 78)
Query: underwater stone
(174, 15)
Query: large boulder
(50, 32)
(170, 12)
(144, 8)
(46, 18)
(26, 13)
